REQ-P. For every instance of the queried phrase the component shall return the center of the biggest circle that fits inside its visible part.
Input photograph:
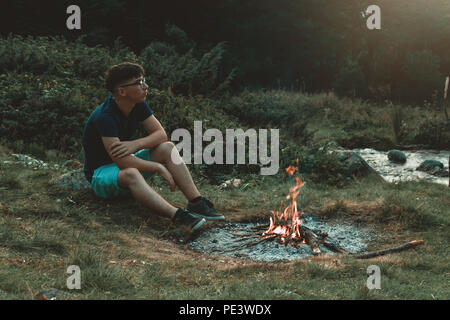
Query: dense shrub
(57, 57)
(170, 66)
(433, 131)
(47, 111)
(290, 112)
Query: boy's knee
(167, 148)
(128, 176)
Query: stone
(433, 167)
(331, 146)
(53, 294)
(231, 183)
(396, 156)
(72, 164)
(430, 166)
(71, 181)
(439, 172)
(52, 153)
(354, 164)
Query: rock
(430, 165)
(350, 163)
(30, 162)
(53, 294)
(72, 164)
(434, 167)
(396, 156)
(331, 146)
(231, 183)
(71, 181)
(52, 153)
(354, 164)
(440, 172)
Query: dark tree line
(310, 45)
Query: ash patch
(242, 240)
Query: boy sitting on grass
(116, 163)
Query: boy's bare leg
(180, 172)
(132, 179)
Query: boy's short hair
(119, 73)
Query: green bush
(47, 111)
(289, 112)
(182, 72)
(433, 131)
(57, 57)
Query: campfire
(286, 227)
(286, 224)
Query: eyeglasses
(140, 82)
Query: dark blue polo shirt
(108, 121)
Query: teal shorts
(104, 181)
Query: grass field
(126, 252)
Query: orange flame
(286, 223)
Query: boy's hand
(121, 149)
(163, 172)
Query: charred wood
(372, 254)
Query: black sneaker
(203, 208)
(188, 220)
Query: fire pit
(246, 240)
(288, 236)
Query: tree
(422, 76)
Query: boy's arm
(157, 135)
(140, 164)
(129, 161)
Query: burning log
(260, 240)
(311, 239)
(286, 223)
(372, 254)
(287, 226)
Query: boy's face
(135, 89)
